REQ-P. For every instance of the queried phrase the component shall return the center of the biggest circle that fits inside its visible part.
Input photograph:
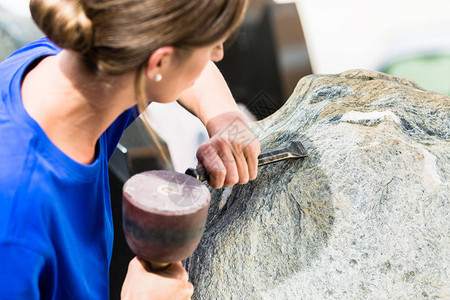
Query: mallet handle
(155, 266)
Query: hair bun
(64, 22)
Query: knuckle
(243, 176)
(205, 151)
(219, 172)
(204, 147)
(224, 146)
(189, 289)
(253, 175)
(185, 276)
(243, 180)
(133, 265)
(231, 180)
(219, 141)
(228, 161)
(255, 147)
(215, 185)
(236, 144)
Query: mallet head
(164, 215)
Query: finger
(138, 264)
(252, 165)
(228, 160)
(189, 290)
(177, 271)
(251, 154)
(210, 159)
(241, 166)
(186, 292)
(217, 172)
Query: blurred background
(279, 43)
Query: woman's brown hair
(117, 36)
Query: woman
(65, 103)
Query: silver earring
(158, 77)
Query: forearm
(230, 155)
(209, 96)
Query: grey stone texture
(365, 216)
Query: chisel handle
(200, 173)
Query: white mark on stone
(254, 237)
(374, 115)
(430, 169)
(225, 195)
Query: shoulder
(15, 65)
(24, 56)
(40, 46)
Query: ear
(159, 60)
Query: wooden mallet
(164, 216)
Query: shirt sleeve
(20, 273)
(115, 131)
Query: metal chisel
(294, 150)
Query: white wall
(348, 34)
(17, 7)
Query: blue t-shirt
(56, 230)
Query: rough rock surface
(365, 216)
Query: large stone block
(365, 216)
